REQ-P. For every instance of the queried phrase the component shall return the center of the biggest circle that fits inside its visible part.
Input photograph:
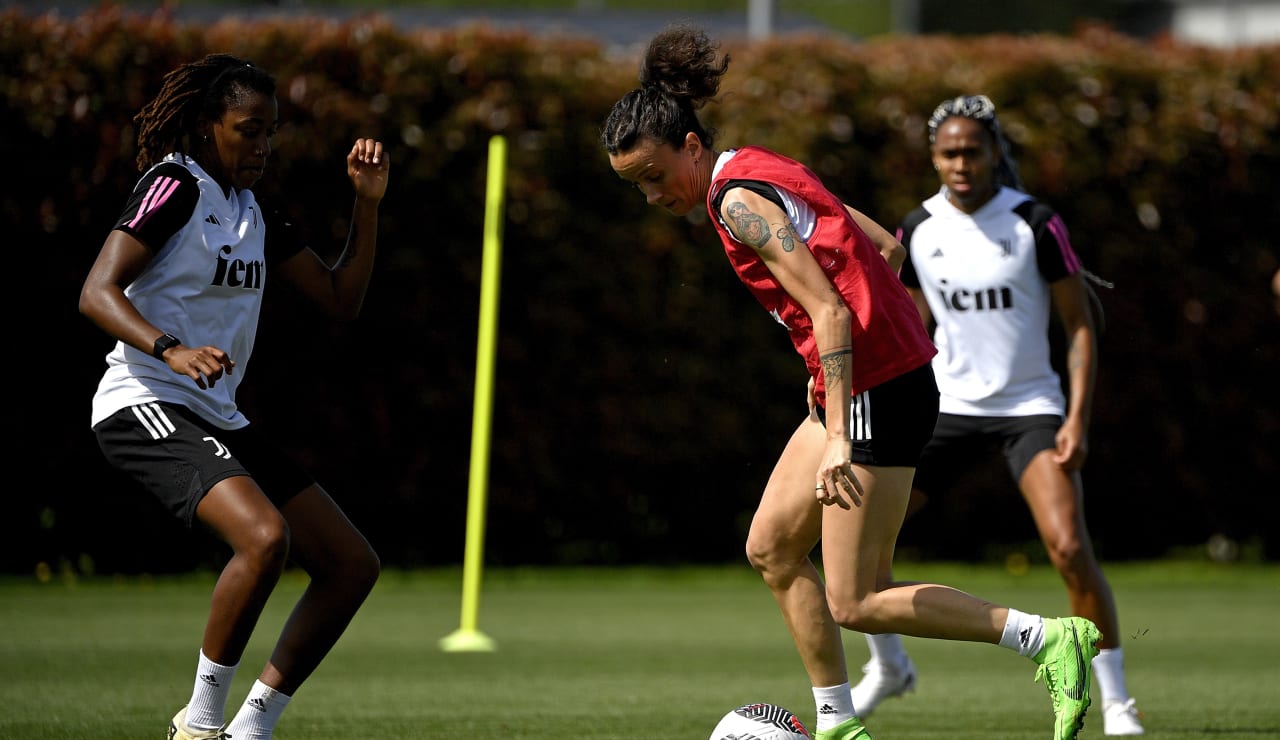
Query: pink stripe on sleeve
(156, 196)
(1059, 231)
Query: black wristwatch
(164, 342)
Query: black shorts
(178, 456)
(958, 440)
(891, 423)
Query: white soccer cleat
(178, 729)
(881, 682)
(1121, 718)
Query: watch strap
(163, 343)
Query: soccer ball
(760, 722)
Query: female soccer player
(985, 263)
(828, 274)
(179, 284)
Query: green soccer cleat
(850, 729)
(178, 729)
(1066, 662)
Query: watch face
(163, 343)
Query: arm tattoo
(834, 362)
(788, 236)
(751, 228)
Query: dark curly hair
(681, 71)
(202, 89)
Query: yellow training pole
(468, 637)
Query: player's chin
(247, 177)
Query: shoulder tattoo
(750, 227)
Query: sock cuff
(215, 664)
(268, 694)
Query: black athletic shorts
(891, 423)
(178, 456)
(958, 440)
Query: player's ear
(693, 145)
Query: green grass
(656, 654)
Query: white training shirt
(204, 285)
(986, 279)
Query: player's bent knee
(773, 565)
(852, 614)
(1068, 553)
(266, 545)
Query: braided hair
(979, 108)
(195, 91)
(680, 73)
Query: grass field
(644, 654)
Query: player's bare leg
(1056, 500)
(783, 534)
(784, 531)
(1056, 504)
(857, 552)
(342, 567)
(239, 513)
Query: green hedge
(642, 395)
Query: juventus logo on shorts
(219, 449)
(158, 425)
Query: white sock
(834, 705)
(887, 651)
(1023, 633)
(208, 703)
(257, 717)
(1108, 666)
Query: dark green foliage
(642, 395)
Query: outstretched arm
(1072, 305)
(763, 226)
(340, 289)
